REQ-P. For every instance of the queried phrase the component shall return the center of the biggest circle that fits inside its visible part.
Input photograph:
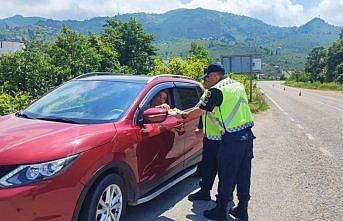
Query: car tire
(108, 198)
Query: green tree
(335, 58)
(193, 66)
(300, 77)
(109, 56)
(11, 80)
(197, 60)
(72, 55)
(36, 67)
(10, 104)
(339, 73)
(315, 63)
(133, 45)
(197, 51)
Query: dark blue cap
(213, 67)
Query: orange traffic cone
(299, 93)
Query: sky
(275, 12)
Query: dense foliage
(122, 47)
(323, 65)
(282, 48)
(193, 66)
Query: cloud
(276, 12)
(329, 10)
(82, 9)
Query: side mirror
(154, 115)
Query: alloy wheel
(110, 204)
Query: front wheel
(106, 201)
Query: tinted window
(87, 101)
(200, 91)
(186, 97)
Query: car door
(187, 96)
(159, 156)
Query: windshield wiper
(57, 119)
(21, 114)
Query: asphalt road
(297, 169)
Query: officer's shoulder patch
(208, 94)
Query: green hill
(222, 33)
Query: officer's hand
(198, 132)
(182, 115)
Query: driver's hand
(165, 106)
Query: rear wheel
(106, 201)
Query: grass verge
(332, 86)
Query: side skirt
(165, 186)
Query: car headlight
(27, 174)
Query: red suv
(84, 151)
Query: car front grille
(6, 169)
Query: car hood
(25, 141)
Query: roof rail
(96, 74)
(169, 75)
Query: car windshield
(85, 101)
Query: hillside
(222, 33)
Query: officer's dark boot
(218, 213)
(241, 211)
(201, 195)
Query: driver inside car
(159, 101)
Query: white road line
(301, 127)
(276, 104)
(310, 136)
(286, 113)
(292, 119)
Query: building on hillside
(10, 46)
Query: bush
(316, 85)
(10, 104)
(300, 77)
(258, 102)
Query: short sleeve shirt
(213, 98)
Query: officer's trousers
(234, 166)
(209, 164)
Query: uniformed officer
(211, 142)
(228, 102)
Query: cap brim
(203, 77)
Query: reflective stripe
(225, 83)
(214, 137)
(234, 111)
(215, 120)
(239, 128)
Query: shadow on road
(155, 210)
(198, 210)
